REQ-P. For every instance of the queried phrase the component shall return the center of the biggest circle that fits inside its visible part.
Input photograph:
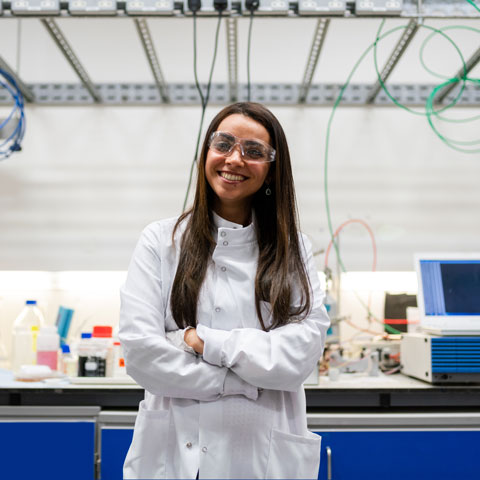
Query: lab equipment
(333, 333)
(48, 343)
(95, 352)
(395, 310)
(436, 359)
(448, 293)
(69, 364)
(64, 320)
(30, 373)
(102, 339)
(91, 358)
(24, 335)
(119, 369)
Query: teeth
(229, 176)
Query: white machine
(441, 359)
(448, 350)
(449, 293)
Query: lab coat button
(223, 234)
(204, 449)
(189, 445)
(224, 269)
(217, 309)
(225, 243)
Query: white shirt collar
(220, 222)
(231, 233)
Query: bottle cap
(31, 302)
(65, 348)
(86, 335)
(116, 343)
(102, 331)
(34, 328)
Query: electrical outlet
(207, 7)
(378, 7)
(147, 7)
(326, 7)
(92, 7)
(269, 7)
(35, 7)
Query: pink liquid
(47, 358)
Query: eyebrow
(226, 135)
(254, 142)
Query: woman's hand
(193, 340)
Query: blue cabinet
(400, 455)
(113, 450)
(47, 450)
(359, 455)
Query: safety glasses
(252, 150)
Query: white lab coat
(238, 412)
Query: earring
(268, 192)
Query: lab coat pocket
(293, 456)
(147, 454)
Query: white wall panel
(89, 179)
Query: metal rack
(305, 92)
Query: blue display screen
(451, 287)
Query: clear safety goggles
(252, 150)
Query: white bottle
(48, 343)
(69, 362)
(24, 335)
(119, 369)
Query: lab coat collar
(233, 233)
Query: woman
(222, 318)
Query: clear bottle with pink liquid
(48, 343)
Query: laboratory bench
(371, 427)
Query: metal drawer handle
(329, 463)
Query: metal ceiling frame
(26, 91)
(285, 94)
(232, 52)
(470, 64)
(315, 50)
(149, 48)
(395, 56)
(411, 9)
(70, 56)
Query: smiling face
(233, 180)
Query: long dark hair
(280, 264)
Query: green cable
(474, 5)
(385, 89)
(435, 74)
(448, 141)
(429, 113)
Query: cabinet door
(114, 447)
(400, 455)
(47, 450)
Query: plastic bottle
(48, 343)
(119, 369)
(84, 351)
(24, 335)
(69, 362)
(103, 341)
